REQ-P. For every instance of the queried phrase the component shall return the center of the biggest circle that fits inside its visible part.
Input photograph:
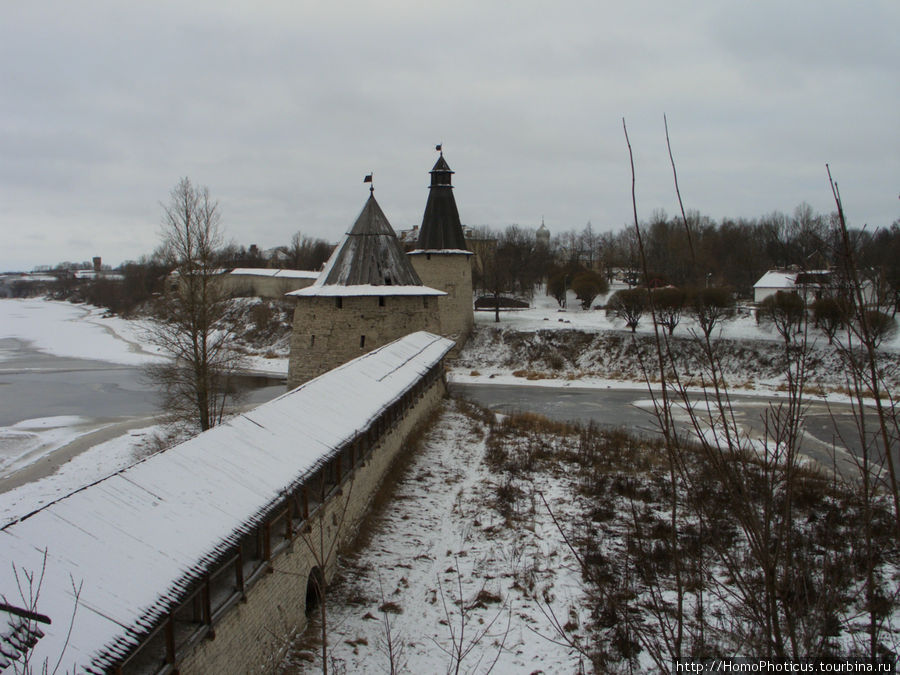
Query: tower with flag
(367, 295)
(441, 257)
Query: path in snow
(440, 519)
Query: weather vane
(439, 147)
(368, 179)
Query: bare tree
(711, 306)
(306, 253)
(785, 311)
(669, 303)
(189, 325)
(23, 627)
(628, 304)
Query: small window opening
(427, 256)
(381, 301)
(362, 341)
(338, 302)
(425, 302)
(387, 280)
(312, 340)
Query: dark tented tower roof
(370, 254)
(441, 229)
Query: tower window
(381, 301)
(427, 256)
(338, 302)
(312, 340)
(362, 341)
(425, 302)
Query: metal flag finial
(368, 179)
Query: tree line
(731, 253)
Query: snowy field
(551, 347)
(442, 572)
(545, 314)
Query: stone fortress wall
(265, 283)
(329, 331)
(451, 273)
(252, 634)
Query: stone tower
(367, 295)
(442, 258)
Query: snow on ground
(276, 366)
(88, 467)
(27, 441)
(544, 346)
(77, 331)
(439, 540)
(545, 314)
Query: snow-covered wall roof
(269, 272)
(441, 251)
(335, 290)
(134, 539)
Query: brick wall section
(451, 273)
(326, 336)
(251, 635)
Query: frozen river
(55, 407)
(829, 434)
(38, 385)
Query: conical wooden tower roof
(441, 229)
(369, 255)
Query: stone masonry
(329, 331)
(450, 272)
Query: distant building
(809, 285)
(772, 282)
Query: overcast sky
(281, 108)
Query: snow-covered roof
(776, 279)
(27, 277)
(334, 291)
(137, 538)
(268, 272)
(441, 251)
(93, 274)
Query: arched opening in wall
(315, 589)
